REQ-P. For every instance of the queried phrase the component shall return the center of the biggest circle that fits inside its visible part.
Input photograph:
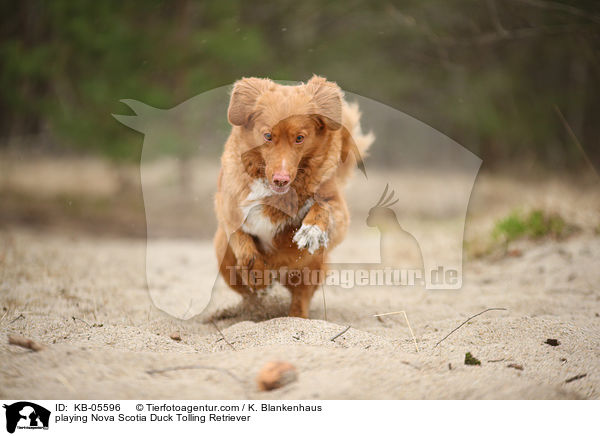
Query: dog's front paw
(311, 237)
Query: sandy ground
(85, 297)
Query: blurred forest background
(514, 81)
(497, 76)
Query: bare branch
(407, 323)
(496, 18)
(557, 6)
(575, 140)
(222, 335)
(340, 334)
(466, 321)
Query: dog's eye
(299, 139)
(268, 137)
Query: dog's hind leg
(301, 296)
(302, 284)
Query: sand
(85, 298)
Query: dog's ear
(243, 98)
(327, 97)
(253, 163)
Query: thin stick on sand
(79, 319)
(17, 318)
(340, 334)
(222, 335)
(466, 321)
(577, 377)
(407, 322)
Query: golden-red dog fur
(279, 202)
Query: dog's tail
(355, 143)
(351, 115)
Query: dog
(279, 201)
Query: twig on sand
(222, 335)
(17, 318)
(184, 367)
(25, 343)
(466, 321)
(340, 334)
(577, 377)
(407, 322)
(79, 319)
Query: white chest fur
(260, 225)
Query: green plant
(471, 360)
(535, 225)
(510, 228)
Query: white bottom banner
(296, 417)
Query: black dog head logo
(24, 414)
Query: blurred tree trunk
(183, 23)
